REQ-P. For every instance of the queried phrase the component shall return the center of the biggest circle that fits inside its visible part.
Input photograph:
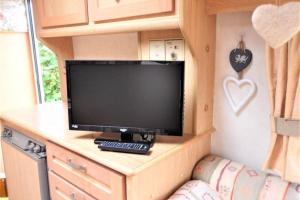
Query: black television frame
(119, 129)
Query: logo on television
(123, 130)
(74, 126)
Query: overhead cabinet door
(101, 10)
(61, 12)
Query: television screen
(126, 96)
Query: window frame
(34, 52)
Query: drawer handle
(118, 1)
(73, 196)
(76, 166)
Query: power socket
(157, 50)
(174, 50)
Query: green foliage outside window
(50, 73)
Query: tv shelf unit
(76, 165)
(187, 20)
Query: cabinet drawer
(101, 10)
(61, 13)
(62, 190)
(95, 179)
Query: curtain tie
(286, 127)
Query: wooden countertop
(48, 122)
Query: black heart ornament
(240, 59)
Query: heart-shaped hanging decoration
(240, 59)
(238, 106)
(277, 24)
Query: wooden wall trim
(199, 31)
(220, 6)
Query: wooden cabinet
(76, 165)
(53, 13)
(101, 10)
(61, 13)
(61, 189)
(56, 18)
(94, 179)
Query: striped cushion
(194, 190)
(236, 181)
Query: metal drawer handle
(76, 166)
(73, 196)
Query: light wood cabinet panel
(61, 13)
(62, 190)
(220, 6)
(94, 179)
(101, 10)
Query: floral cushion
(238, 182)
(195, 190)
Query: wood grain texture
(62, 190)
(199, 31)
(154, 176)
(122, 46)
(61, 13)
(3, 187)
(49, 122)
(155, 22)
(96, 180)
(220, 6)
(103, 10)
(190, 69)
(159, 181)
(18, 176)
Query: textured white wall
(245, 137)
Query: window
(50, 73)
(45, 65)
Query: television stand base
(127, 144)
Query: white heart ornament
(237, 106)
(277, 24)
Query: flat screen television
(126, 96)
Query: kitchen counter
(48, 122)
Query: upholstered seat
(219, 178)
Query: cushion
(236, 181)
(195, 190)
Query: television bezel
(123, 129)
